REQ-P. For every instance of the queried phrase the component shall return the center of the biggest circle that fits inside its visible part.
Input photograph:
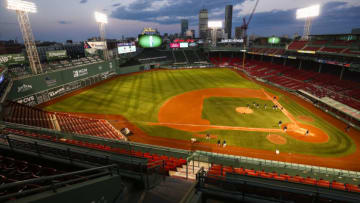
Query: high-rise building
(238, 32)
(184, 26)
(203, 23)
(228, 20)
(190, 33)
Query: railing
(54, 185)
(270, 166)
(257, 188)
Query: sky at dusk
(59, 20)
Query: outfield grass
(138, 97)
(221, 111)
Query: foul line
(209, 126)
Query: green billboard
(12, 59)
(150, 41)
(56, 55)
(273, 40)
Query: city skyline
(75, 19)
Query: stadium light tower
(22, 9)
(101, 19)
(308, 13)
(214, 26)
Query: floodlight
(19, 5)
(215, 24)
(308, 12)
(100, 17)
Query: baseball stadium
(181, 120)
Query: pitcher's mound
(276, 139)
(245, 110)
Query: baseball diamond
(169, 107)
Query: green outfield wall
(34, 90)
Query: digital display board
(273, 40)
(150, 41)
(124, 48)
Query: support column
(320, 67)
(300, 64)
(285, 60)
(342, 73)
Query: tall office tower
(203, 23)
(184, 26)
(228, 20)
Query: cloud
(63, 22)
(336, 18)
(245, 8)
(83, 1)
(168, 11)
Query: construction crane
(244, 28)
(245, 24)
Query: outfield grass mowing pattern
(221, 111)
(138, 97)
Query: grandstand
(136, 152)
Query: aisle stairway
(193, 169)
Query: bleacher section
(169, 163)
(320, 85)
(219, 170)
(179, 56)
(22, 114)
(340, 47)
(153, 55)
(297, 45)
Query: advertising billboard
(94, 48)
(12, 59)
(101, 45)
(56, 55)
(184, 45)
(124, 48)
(150, 41)
(174, 45)
(192, 44)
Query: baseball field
(169, 107)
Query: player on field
(224, 143)
(218, 142)
(347, 129)
(280, 122)
(307, 132)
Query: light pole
(101, 19)
(22, 9)
(308, 13)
